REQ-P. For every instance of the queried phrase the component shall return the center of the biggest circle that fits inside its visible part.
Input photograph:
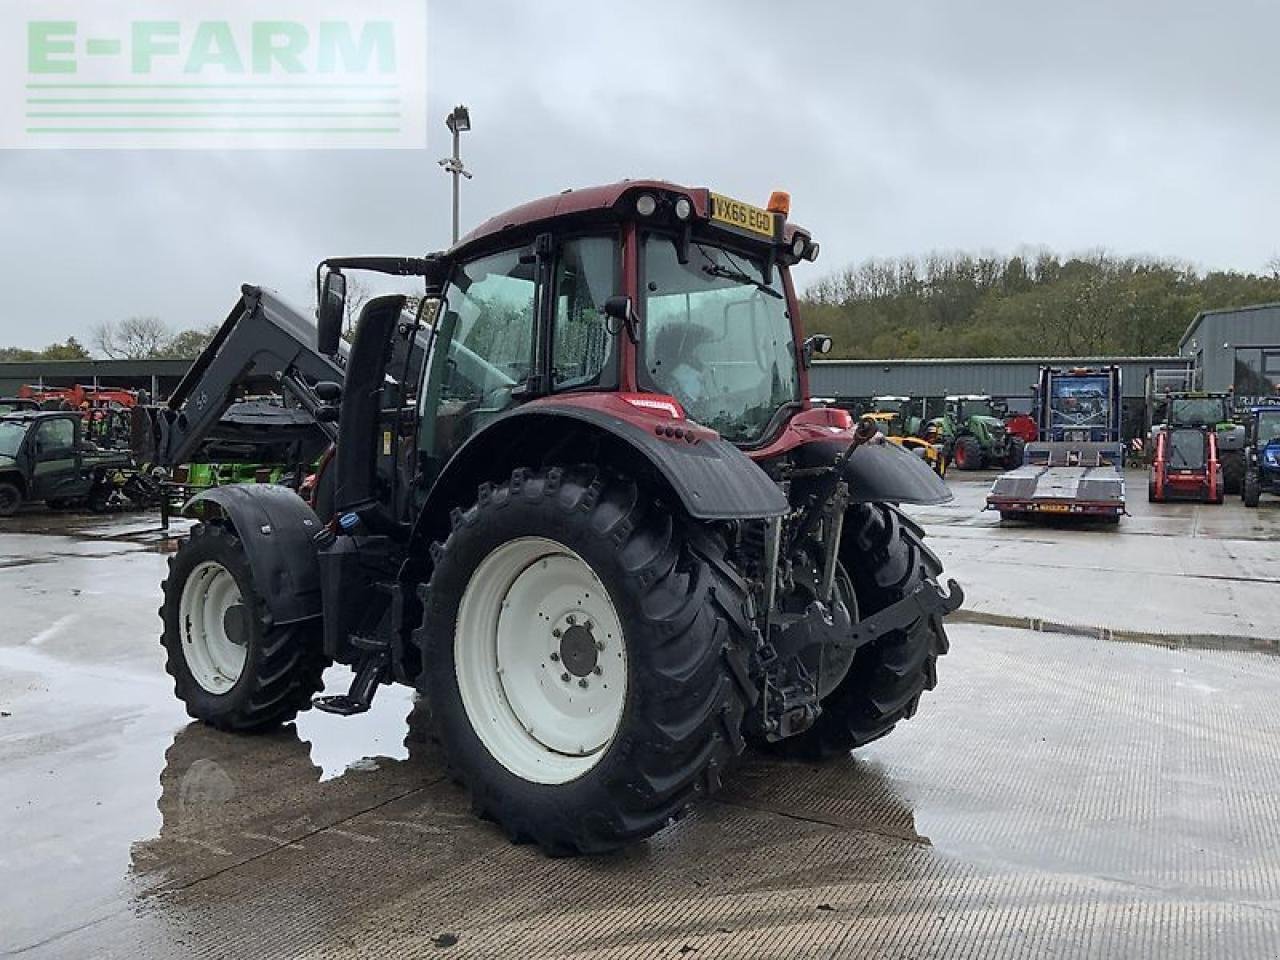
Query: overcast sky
(1146, 128)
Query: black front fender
(277, 528)
(880, 472)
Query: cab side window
(586, 276)
(55, 438)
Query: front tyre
(232, 668)
(10, 499)
(1014, 456)
(1251, 488)
(583, 675)
(885, 556)
(968, 453)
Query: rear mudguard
(712, 478)
(879, 472)
(277, 528)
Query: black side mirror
(819, 343)
(619, 309)
(330, 312)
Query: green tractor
(905, 411)
(973, 433)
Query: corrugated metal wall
(1014, 378)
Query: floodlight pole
(457, 122)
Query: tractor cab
(897, 416)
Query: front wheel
(1233, 470)
(232, 668)
(1014, 455)
(10, 499)
(584, 675)
(1251, 489)
(968, 454)
(885, 556)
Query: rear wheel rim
(9, 499)
(208, 610)
(540, 660)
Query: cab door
(57, 465)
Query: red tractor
(1185, 465)
(582, 502)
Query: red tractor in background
(1185, 465)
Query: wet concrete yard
(1108, 792)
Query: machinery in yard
(895, 417)
(973, 433)
(16, 405)
(44, 456)
(1076, 467)
(250, 408)
(1185, 462)
(1179, 409)
(601, 529)
(1262, 453)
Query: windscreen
(1198, 411)
(1268, 428)
(1080, 402)
(717, 337)
(11, 434)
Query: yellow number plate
(1054, 507)
(741, 216)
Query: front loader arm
(264, 346)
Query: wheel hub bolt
(571, 619)
(599, 644)
(583, 683)
(598, 671)
(564, 677)
(554, 655)
(556, 633)
(589, 625)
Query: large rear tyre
(885, 556)
(583, 672)
(1251, 489)
(10, 499)
(1014, 456)
(232, 668)
(1232, 471)
(968, 454)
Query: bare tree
(134, 338)
(1274, 266)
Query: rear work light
(646, 204)
(683, 208)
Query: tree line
(134, 338)
(1028, 304)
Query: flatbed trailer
(1076, 468)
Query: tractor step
(341, 704)
(372, 669)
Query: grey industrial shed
(1011, 377)
(1236, 348)
(852, 383)
(157, 376)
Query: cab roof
(587, 200)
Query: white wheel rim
(534, 613)
(215, 659)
